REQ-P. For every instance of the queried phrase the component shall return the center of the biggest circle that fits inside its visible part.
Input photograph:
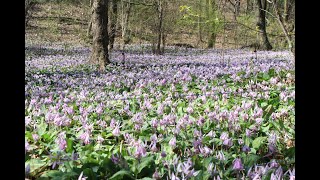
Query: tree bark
(160, 17)
(288, 5)
(113, 25)
(126, 9)
(99, 54)
(199, 24)
(262, 4)
(90, 21)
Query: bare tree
(236, 8)
(280, 21)
(113, 24)
(160, 20)
(125, 14)
(90, 21)
(261, 24)
(99, 53)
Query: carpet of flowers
(188, 114)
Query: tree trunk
(237, 8)
(282, 25)
(288, 4)
(160, 17)
(199, 24)
(90, 21)
(163, 36)
(212, 40)
(113, 26)
(210, 8)
(262, 4)
(99, 53)
(126, 9)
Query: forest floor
(67, 24)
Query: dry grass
(54, 23)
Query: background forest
(197, 23)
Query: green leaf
(263, 104)
(69, 145)
(251, 159)
(145, 178)
(266, 76)
(88, 172)
(52, 173)
(119, 175)
(258, 142)
(145, 162)
(35, 164)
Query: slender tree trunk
(288, 4)
(90, 21)
(282, 25)
(199, 24)
(163, 36)
(160, 17)
(210, 8)
(237, 7)
(262, 4)
(248, 6)
(212, 40)
(99, 53)
(126, 9)
(113, 25)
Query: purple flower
(112, 123)
(172, 142)
(273, 164)
(27, 120)
(292, 174)
(240, 141)
(237, 165)
(197, 133)
(211, 134)
(27, 171)
(259, 121)
(206, 151)
(61, 141)
(85, 137)
(220, 156)
(173, 177)
(272, 138)
(163, 154)
(154, 123)
(115, 158)
(156, 175)
(277, 174)
(189, 110)
(35, 137)
(26, 146)
(246, 149)
(228, 142)
(224, 136)
(74, 156)
(248, 133)
(272, 149)
(99, 139)
(116, 131)
(140, 151)
(153, 147)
